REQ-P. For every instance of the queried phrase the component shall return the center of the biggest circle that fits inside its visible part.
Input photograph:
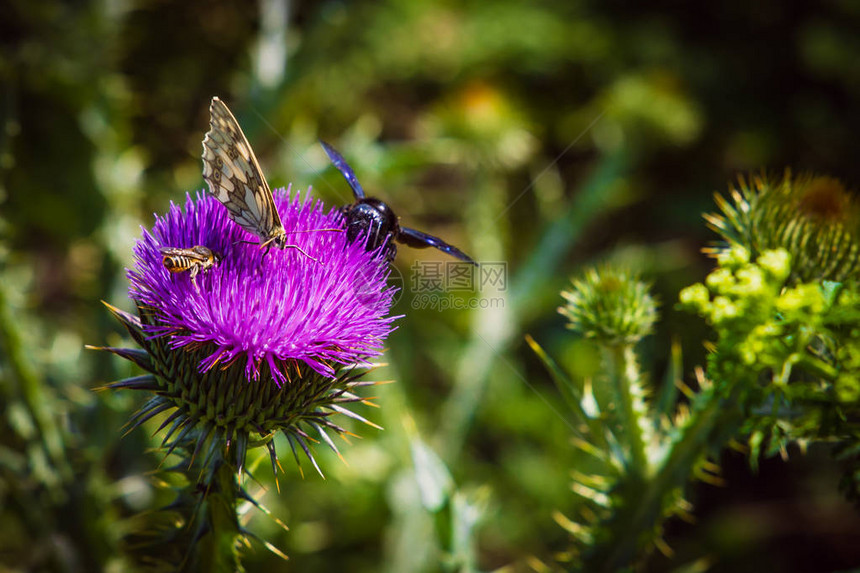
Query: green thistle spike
(212, 420)
(610, 305)
(223, 402)
(814, 218)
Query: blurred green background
(546, 135)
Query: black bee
(197, 258)
(369, 213)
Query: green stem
(623, 372)
(206, 535)
(714, 424)
(491, 331)
(29, 389)
(225, 529)
(527, 290)
(817, 367)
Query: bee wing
(203, 252)
(338, 161)
(233, 174)
(171, 251)
(192, 253)
(417, 239)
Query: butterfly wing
(233, 174)
(344, 168)
(417, 239)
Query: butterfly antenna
(268, 245)
(315, 231)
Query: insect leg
(299, 249)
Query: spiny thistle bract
(263, 342)
(814, 218)
(626, 441)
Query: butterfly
(233, 174)
(196, 259)
(369, 215)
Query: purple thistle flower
(261, 341)
(249, 342)
(239, 350)
(265, 310)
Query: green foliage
(637, 459)
(782, 370)
(786, 350)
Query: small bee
(369, 214)
(196, 259)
